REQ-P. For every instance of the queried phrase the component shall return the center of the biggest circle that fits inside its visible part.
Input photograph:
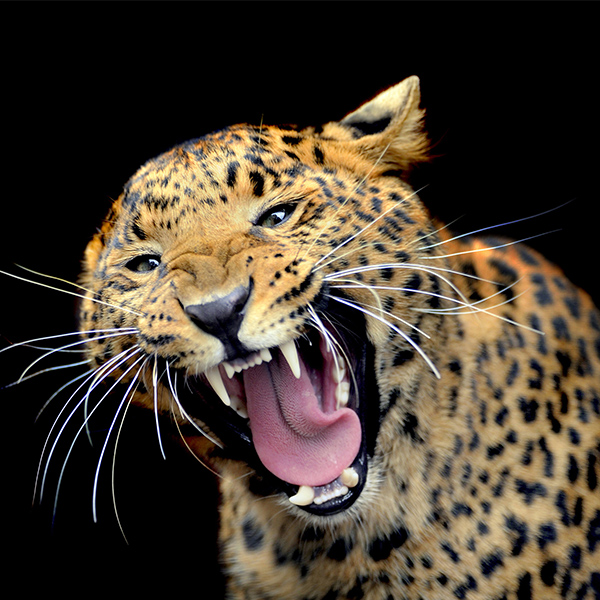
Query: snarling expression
(233, 287)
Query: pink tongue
(294, 438)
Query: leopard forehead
(206, 186)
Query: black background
(91, 92)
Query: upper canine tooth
(291, 355)
(216, 382)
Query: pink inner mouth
(298, 433)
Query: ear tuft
(389, 128)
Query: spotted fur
(477, 363)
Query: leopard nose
(223, 317)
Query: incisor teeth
(265, 355)
(304, 497)
(214, 378)
(229, 370)
(291, 355)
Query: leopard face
(239, 263)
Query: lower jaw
(232, 431)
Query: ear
(388, 129)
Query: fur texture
(473, 364)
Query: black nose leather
(223, 318)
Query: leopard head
(253, 283)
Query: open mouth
(297, 414)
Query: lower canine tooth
(291, 355)
(349, 477)
(304, 497)
(214, 378)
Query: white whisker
(334, 345)
(393, 328)
(380, 309)
(488, 248)
(358, 185)
(48, 370)
(84, 425)
(56, 289)
(61, 388)
(73, 344)
(126, 399)
(352, 237)
(457, 237)
(186, 416)
(155, 394)
(415, 267)
(96, 376)
(173, 396)
(28, 343)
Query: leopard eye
(144, 263)
(276, 216)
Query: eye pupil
(277, 215)
(144, 263)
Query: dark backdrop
(90, 93)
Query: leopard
(393, 411)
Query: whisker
(96, 376)
(415, 267)
(352, 237)
(113, 468)
(186, 416)
(386, 312)
(27, 343)
(183, 439)
(48, 370)
(358, 185)
(487, 311)
(110, 429)
(83, 426)
(333, 343)
(60, 389)
(155, 393)
(73, 344)
(488, 248)
(457, 237)
(393, 328)
(57, 289)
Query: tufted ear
(389, 128)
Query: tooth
(239, 406)
(338, 372)
(265, 355)
(291, 355)
(214, 378)
(342, 394)
(304, 497)
(229, 370)
(349, 477)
